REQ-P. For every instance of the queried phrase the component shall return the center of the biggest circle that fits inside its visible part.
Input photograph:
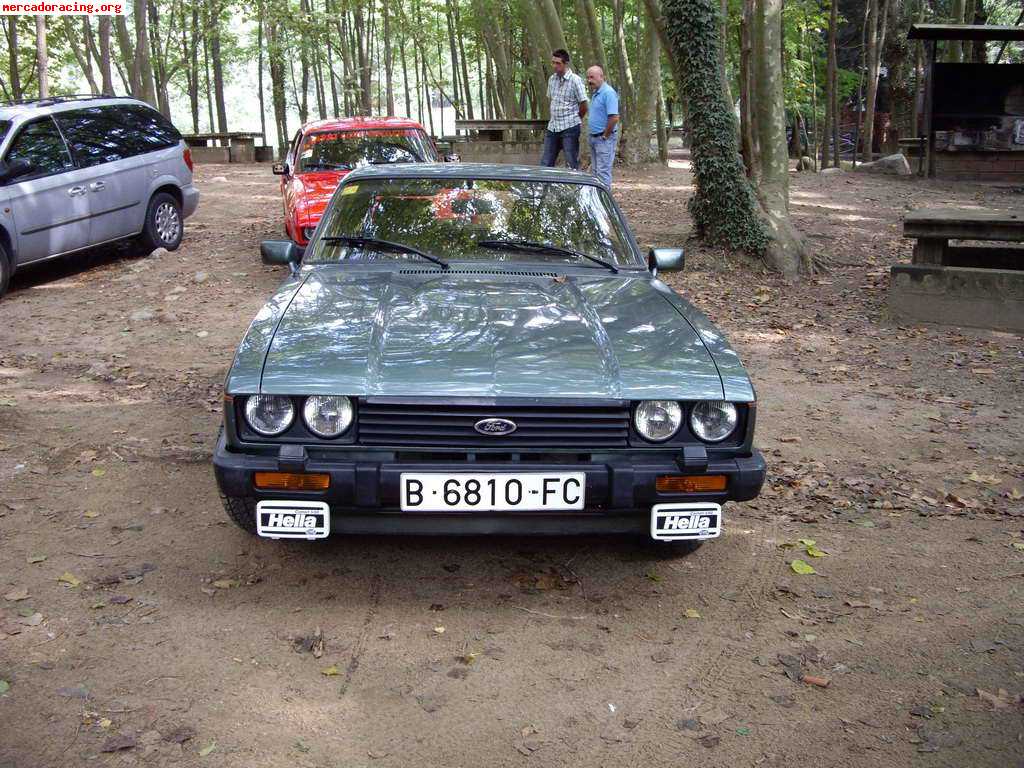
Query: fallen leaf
(331, 671)
(439, 630)
(208, 749)
(468, 658)
(105, 723)
(692, 613)
(4, 687)
(821, 682)
(99, 472)
(35, 558)
(68, 578)
(227, 583)
(91, 513)
(651, 576)
(799, 566)
(1018, 545)
(17, 594)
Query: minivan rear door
(50, 204)
(105, 144)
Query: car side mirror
(452, 158)
(279, 169)
(13, 170)
(665, 260)
(281, 252)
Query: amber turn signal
(690, 483)
(292, 481)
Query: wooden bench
(499, 130)
(975, 286)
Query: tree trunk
(586, 16)
(826, 123)
(875, 44)
(537, 46)
(787, 250)
(462, 57)
(388, 59)
(955, 48)
(124, 42)
(81, 52)
(304, 47)
(12, 57)
(552, 24)
(405, 71)
(724, 208)
(330, 61)
(503, 76)
(142, 54)
(275, 55)
(106, 75)
(748, 132)
(206, 71)
(637, 131)
(218, 70)
(365, 92)
(627, 88)
(42, 62)
(259, 69)
(663, 134)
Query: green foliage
(724, 208)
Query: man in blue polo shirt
(604, 125)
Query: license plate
(493, 492)
(293, 519)
(672, 522)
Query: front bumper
(364, 490)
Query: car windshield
(4, 126)
(475, 220)
(341, 150)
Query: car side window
(41, 145)
(105, 134)
(152, 129)
(95, 135)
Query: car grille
(557, 426)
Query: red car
(323, 152)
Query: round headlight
(658, 420)
(327, 415)
(713, 420)
(269, 414)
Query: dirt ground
(139, 627)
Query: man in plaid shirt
(568, 106)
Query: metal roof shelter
(931, 34)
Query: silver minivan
(76, 172)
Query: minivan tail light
(186, 155)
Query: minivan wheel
(164, 225)
(5, 270)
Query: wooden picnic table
(241, 144)
(934, 228)
(496, 130)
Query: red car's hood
(312, 191)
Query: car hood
(474, 333)
(313, 192)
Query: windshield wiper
(530, 246)
(381, 245)
(327, 167)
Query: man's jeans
(602, 155)
(567, 141)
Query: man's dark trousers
(567, 141)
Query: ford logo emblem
(496, 427)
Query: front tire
(164, 225)
(242, 511)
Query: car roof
(493, 171)
(36, 107)
(360, 123)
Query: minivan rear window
(104, 134)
